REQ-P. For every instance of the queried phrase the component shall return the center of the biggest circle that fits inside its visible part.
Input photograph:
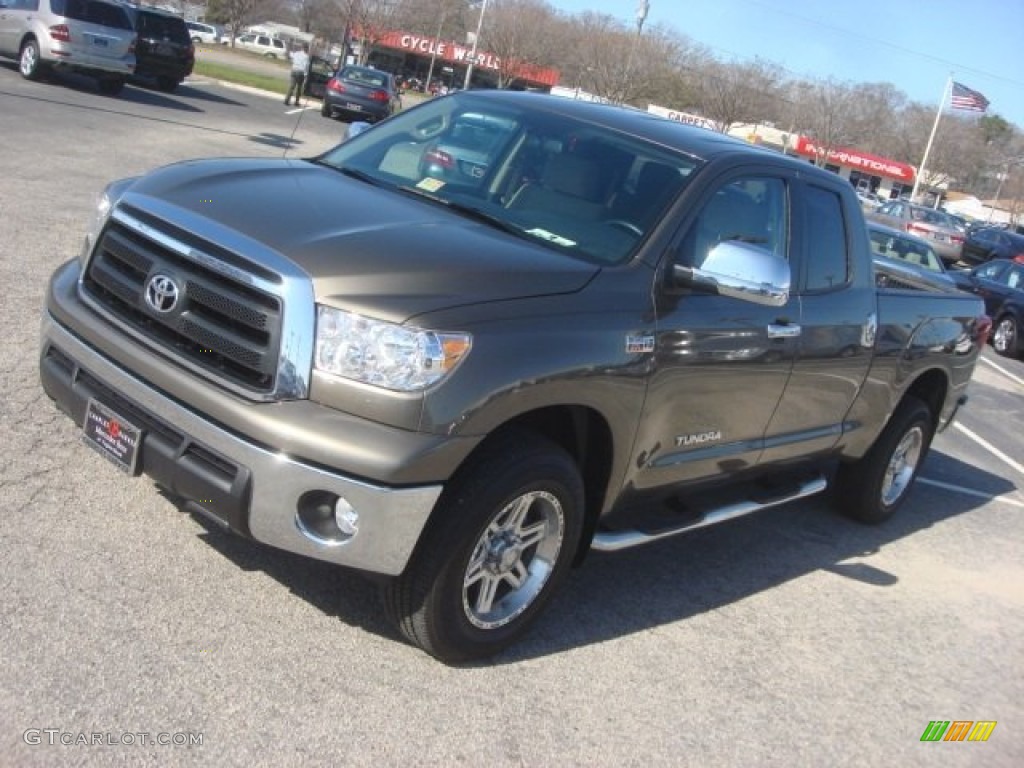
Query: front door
(721, 364)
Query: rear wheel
(167, 84)
(873, 488)
(503, 537)
(325, 110)
(1006, 336)
(29, 62)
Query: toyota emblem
(162, 293)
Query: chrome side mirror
(741, 270)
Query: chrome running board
(615, 540)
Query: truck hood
(366, 248)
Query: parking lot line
(1002, 370)
(989, 447)
(970, 492)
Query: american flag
(965, 98)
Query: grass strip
(273, 83)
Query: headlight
(384, 354)
(104, 205)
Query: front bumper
(248, 487)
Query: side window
(990, 271)
(825, 249)
(1013, 280)
(107, 15)
(750, 210)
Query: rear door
(834, 283)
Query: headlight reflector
(384, 354)
(104, 205)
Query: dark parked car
(890, 243)
(1000, 283)
(164, 51)
(986, 243)
(936, 226)
(361, 93)
(320, 71)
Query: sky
(913, 44)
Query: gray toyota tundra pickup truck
(493, 332)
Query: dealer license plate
(112, 436)
(353, 107)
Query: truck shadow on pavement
(614, 595)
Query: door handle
(787, 331)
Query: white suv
(271, 47)
(94, 37)
(202, 33)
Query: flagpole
(928, 149)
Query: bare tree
(237, 15)
(739, 93)
(368, 21)
(821, 111)
(519, 33)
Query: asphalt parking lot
(793, 637)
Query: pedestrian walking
(300, 66)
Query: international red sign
(455, 53)
(861, 161)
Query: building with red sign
(887, 178)
(410, 55)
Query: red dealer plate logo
(112, 436)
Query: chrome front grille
(221, 322)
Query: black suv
(164, 51)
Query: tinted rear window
(92, 11)
(162, 27)
(364, 77)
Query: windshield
(576, 187)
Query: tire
(325, 110)
(501, 540)
(1006, 336)
(111, 86)
(29, 61)
(873, 488)
(167, 84)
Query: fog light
(346, 518)
(326, 518)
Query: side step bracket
(613, 541)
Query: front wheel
(502, 538)
(29, 62)
(1005, 337)
(872, 488)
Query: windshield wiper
(353, 173)
(471, 211)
